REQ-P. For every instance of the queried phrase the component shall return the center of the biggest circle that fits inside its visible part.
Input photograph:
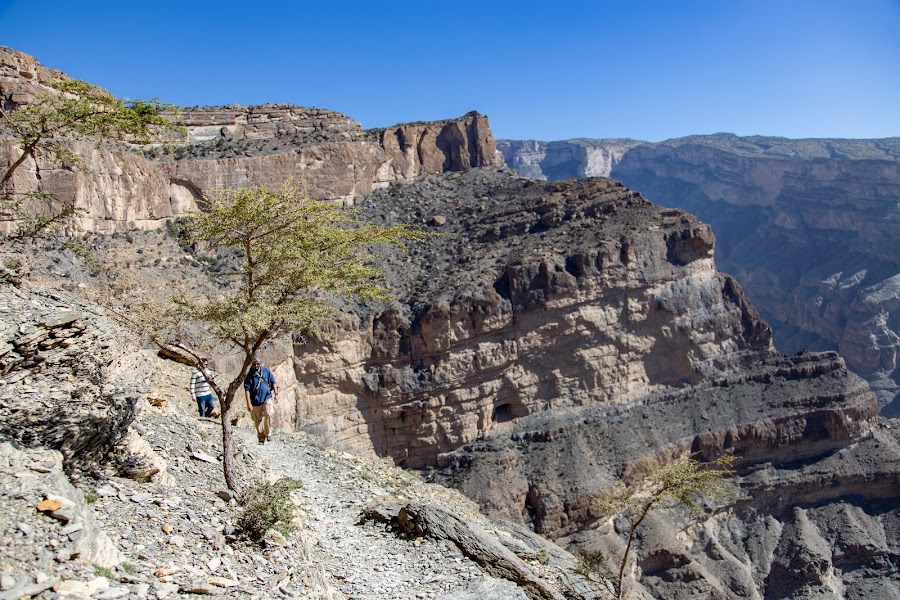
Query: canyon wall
(564, 159)
(115, 187)
(808, 227)
(550, 338)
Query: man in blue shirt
(261, 394)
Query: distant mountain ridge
(809, 227)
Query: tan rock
(49, 505)
(222, 582)
(81, 589)
(167, 570)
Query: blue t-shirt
(259, 383)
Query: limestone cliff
(540, 297)
(810, 234)
(808, 227)
(564, 159)
(551, 337)
(116, 189)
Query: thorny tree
(74, 110)
(683, 482)
(296, 255)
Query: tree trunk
(229, 449)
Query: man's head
(204, 362)
(257, 363)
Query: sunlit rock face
(119, 188)
(808, 227)
(331, 154)
(564, 159)
(535, 297)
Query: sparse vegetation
(75, 110)
(91, 496)
(295, 256)
(268, 506)
(684, 482)
(103, 572)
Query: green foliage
(91, 496)
(543, 557)
(80, 110)
(75, 111)
(128, 568)
(268, 506)
(296, 254)
(103, 572)
(684, 482)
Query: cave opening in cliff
(502, 413)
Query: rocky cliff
(551, 337)
(807, 226)
(116, 189)
(564, 159)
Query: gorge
(550, 338)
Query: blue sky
(645, 69)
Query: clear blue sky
(554, 69)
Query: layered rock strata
(807, 226)
(535, 297)
(335, 158)
(116, 189)
(564, 159)
(70, 379)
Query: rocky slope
(150, 517)
(549, 340)
(808, 227)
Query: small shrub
(91, 496)
(103, 572)
(543, 557)
(128, 568)
(268, 506)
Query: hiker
(200, 391)
(259, 388)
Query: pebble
(7, 582)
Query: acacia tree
(683, 482)
(75, 110)
(296, 255)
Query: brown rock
(49, 505)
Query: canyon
(549, 338)
(808, 227)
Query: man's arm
(193, 385)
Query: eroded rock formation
(551, 338)
(808, 227)
(116, 189)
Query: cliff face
(542, 297)
(564, 159)
(808, 227)
(115, 188)
(811, 238)
(556, 335)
